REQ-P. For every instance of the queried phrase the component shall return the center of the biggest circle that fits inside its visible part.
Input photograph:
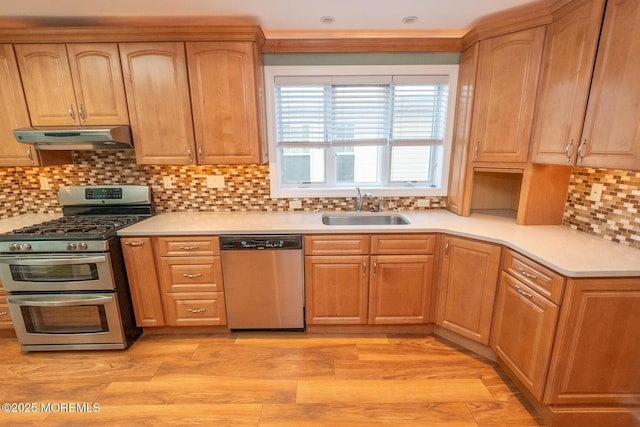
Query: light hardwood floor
(264, 379)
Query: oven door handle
(48, 303)
(53, 261)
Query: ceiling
(278, 18)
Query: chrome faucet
(360, 198)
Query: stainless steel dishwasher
(263, 281)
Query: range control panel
(258, 242)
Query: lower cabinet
(175, 281)
(363, 279)
(467, 287)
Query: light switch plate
(166, 182)
(295, 204)
(423, 203)
(44, 183)
(596, 192)
(215, 181)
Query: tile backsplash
(246, 188)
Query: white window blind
(402, 113)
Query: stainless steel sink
(364, 219)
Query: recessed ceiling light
(327, 19)
(409, 19)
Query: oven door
(74, 319)
(56, 272)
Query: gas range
(92, 216)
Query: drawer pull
(446, 248)
(134, 244)
(528, 275)
(3, 313)
(196, 310)
(189, 248)
(523, 293)
(192, 276)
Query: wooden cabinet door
(597, 346)
(524, 326)
(336, 289)
(459, 197)
(13, 112)
(570, 51)
(400, 289)
(506, 88)
(611, 134)
(97, 83)
(468, 280)
(224, 98)
(157, 87)
(48, 88)
(143, 281)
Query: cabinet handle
(30, 155)
(475, 151)
(81, 113)
(523, 293)
(3, 313)
(528, 275)
(196, 310)
(72, 113)
(446, 248)
(189, 154)
(567, 151)
(134, 244)
(375, 267)
(189, 248)
(200, 153)
(192, 276)
(581, 148)
(364, 268)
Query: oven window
(77, 319)
(54, 273)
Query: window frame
(308, 190)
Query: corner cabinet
(369, 279)
(507, 80)
(467, 287)
(195, 103)
(73, 84)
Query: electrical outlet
(423, 203)
(166, 182)
(44, 183)
(295, 204)
(596, 192)
(215, 181)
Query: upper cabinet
(197, 104)
(564, 87)
(611, 133)
(225, 86)
(505, 94)
(157, 87)
(73, 84)
(607, 135)
(14, 114)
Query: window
(383, 128)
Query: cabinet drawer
(392, 244)
(195, 309)
(188, 246)
(547, 282)
(336, 244)
(194, 274)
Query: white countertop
(569, 252)
(10, 224)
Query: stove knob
(14, 247)
(82, 246)
(71, 246)
(26, 247)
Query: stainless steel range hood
(75, 138)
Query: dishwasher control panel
(258, 242)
